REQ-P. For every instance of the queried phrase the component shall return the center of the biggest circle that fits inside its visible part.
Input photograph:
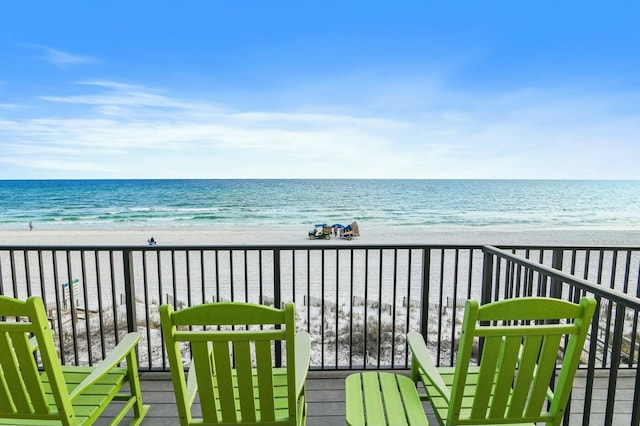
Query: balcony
(358, 303)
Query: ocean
(433, 204)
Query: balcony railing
(613, 339)
(357, 301)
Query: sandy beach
(298, 235)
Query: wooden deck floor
(325, 395)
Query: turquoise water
(434, 204)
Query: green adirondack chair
(49, 393)
(511, 385)
(232, 366)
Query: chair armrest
(425, 364)
(303, 357)
(124, 348)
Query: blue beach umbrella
(337, 225)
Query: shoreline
(298, 235)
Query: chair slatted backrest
(24, 331)
(225, 362)
(522, 340)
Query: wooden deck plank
(325, 397)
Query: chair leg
(302, 409)
(139, 410)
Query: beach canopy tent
(49, 393)
(234, 347)
(521, 341)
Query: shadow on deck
(325, 395)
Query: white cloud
(49, 165)
(118, 94)
(64, 59)
(134, 131)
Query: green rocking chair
(49, 393)
(523, 339)
(233, 347)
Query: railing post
(72, 306)
(277, 300)
(129, 291)
(616, 348)
(424, 297)
(487, 276)
(487, 289)
(556, 263)
(277, 291)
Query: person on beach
(152, 241)
(30, 226)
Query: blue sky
(332, 89)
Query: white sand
(298, 235)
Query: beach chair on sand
(55, 394)
(522, 340)
(234, 346)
